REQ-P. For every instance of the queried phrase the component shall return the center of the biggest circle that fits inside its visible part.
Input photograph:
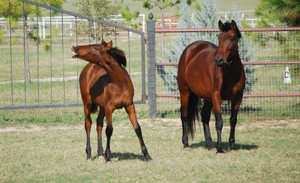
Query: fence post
(151, 66)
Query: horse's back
(198, 50)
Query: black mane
(118, 55)
(227, 27)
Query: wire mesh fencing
(271, 60)
(37, 68)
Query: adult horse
(213, 73)
(104, 82)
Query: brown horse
(104, 82)
(213, 73)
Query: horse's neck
(115, 71)
(235, 62)
(234, 68)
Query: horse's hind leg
(99, 130)
(133, 119)
(205, 116)
(184, 100)
(88, 125)
(108, 132)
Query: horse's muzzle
(220, 62)
(74, 52)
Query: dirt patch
(294, 123)
(36, 128)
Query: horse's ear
(108, 46)
(102, 41)
(234, 27)
(221, 25)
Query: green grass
(55, 152)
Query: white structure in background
(287, 76)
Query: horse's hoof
(232, 148)
(108, 162)
(186, 146)
(210, 148)
(147, 158)
(220, 151)
(102, 159)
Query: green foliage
(169, 74)
(130, 16)
(161, 4)
(101, 9)
(206, 18)
(15, 8)
(2, 36)
(285, 12)
(246, 51)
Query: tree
(100, 9)
(205, 17)
(246, 51)
(162, 5)
(129, 16)
(168, 74)
(285, 12)
(13, 9)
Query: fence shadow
(238, 146)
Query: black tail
(193, 113)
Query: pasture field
(48, 145)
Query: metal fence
(37, 69)
(276, 55)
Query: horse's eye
(232, 38)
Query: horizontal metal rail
(244, 63)
(245, 95)
(177, 30)
(84, 17)
(272, 95)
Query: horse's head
(228, 43)
(93, 53)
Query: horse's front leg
(219, 126)
(99, 131)
(133, 119)
(219, 122)
(233, 121)
(235, 104)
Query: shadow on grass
(124, 156)
(127, 156)
(225, 145)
